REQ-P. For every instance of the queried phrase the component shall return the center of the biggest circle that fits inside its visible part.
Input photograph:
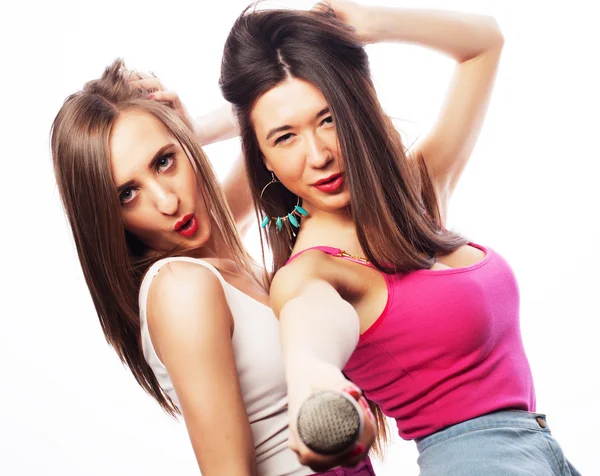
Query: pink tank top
(446, 348)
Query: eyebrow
(325, 110)
(159, 153)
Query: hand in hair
(218, 125)
(351, 13)
(149, 83)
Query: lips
(187, 226)
(330, 184)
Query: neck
(215, 247)
(328, 228)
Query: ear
(267, 163)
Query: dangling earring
(289, 219)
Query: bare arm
(475, 43)
(238, 194)
(216, 126)
(317, 327)
(319, 331)
(191, 326)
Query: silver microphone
(330, 422)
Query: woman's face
(297, 136)
(161, 202)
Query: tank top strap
(156, 267)
(336, 252)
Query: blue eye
(127, 195)
(165, 162)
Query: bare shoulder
(312, 265)
(181, 282)
(190, 325)
(180, 294)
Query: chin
(336, 203)
(203, 237)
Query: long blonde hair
(114, 260)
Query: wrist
(374, 24)
(200, 132)
(220, 124)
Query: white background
(68, 407)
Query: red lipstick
(330, 184)
(187, 226)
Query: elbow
(495, 36)
(487, 39)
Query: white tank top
(259, 362)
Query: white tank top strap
(155, 268)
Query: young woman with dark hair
(369, 283)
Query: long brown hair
(393, 203)
(113, 260)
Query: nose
(318, 155)
(167, 202)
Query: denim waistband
(501, 419)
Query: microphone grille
(329, 422)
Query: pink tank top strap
(333, 252)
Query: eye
(327, 121)
(165, 162)
(284, 138)
(127, 195)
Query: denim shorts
(364, 468)
(504, 443)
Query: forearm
(460, 35)
(239, 196)
(216, 126)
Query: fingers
(133, 75)
(171, 98)
(366, 439)
(367, 436)
(354, 392)
(165, 96)
(142, 80)
(362, 447)
(149, 84)
(322, 7)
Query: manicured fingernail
(150, 96)
(358, 450)
(363, 403)
(353, 391)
